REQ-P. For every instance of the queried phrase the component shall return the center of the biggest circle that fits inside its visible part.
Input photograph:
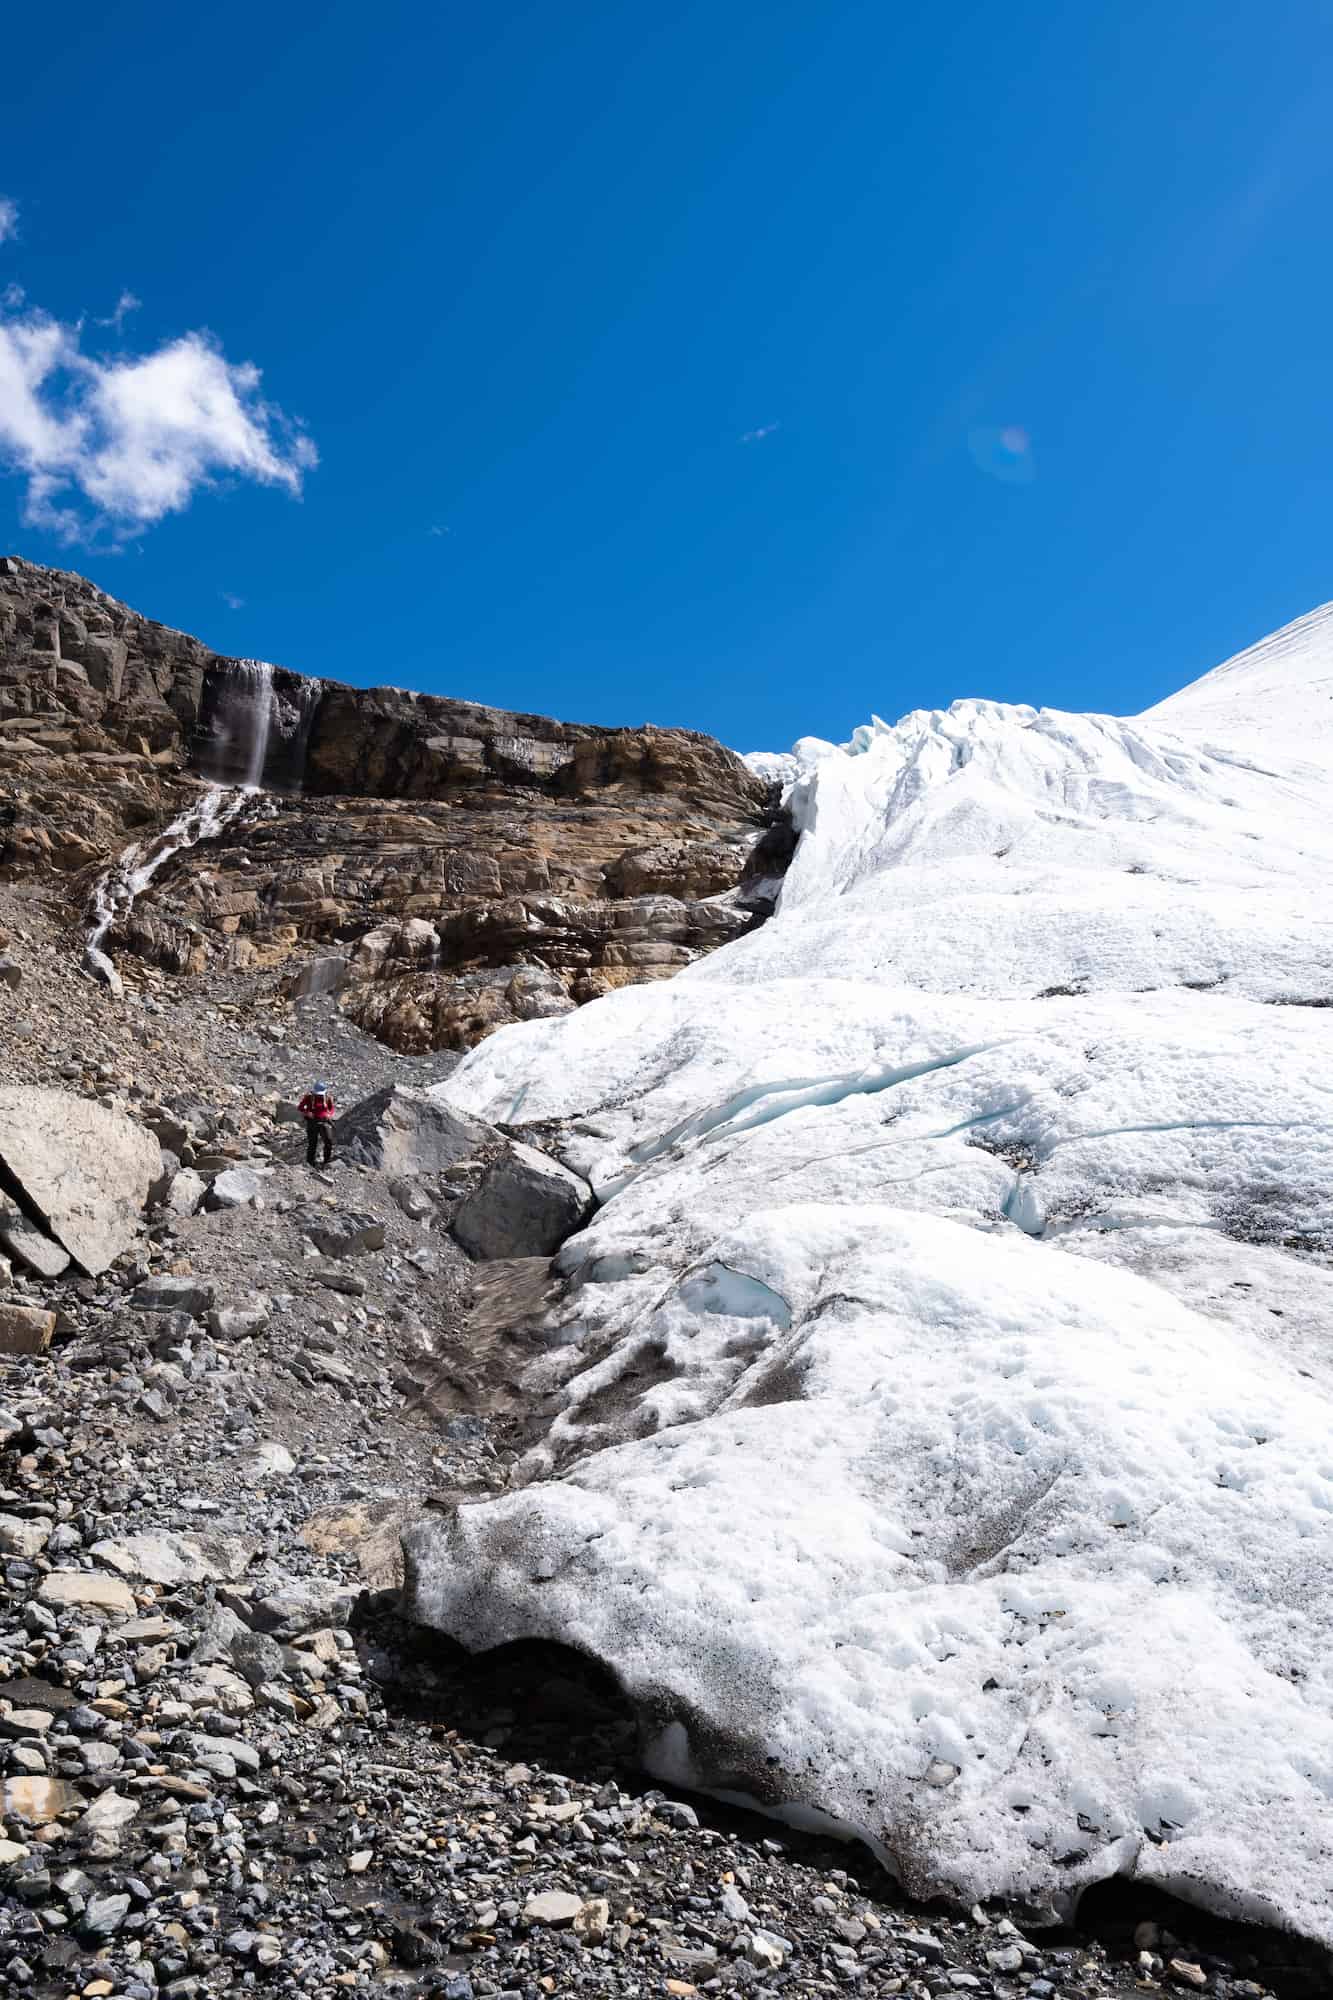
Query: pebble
(766, 1951)
(734, 1906)
(552, 1906)
(102, 1915)
(23, 1538)
(89, 1590)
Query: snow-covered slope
(1138, 860)
(1279, 692)
(944, 1385)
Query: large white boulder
(32, 1246)
(81, 1168)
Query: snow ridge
(944, 1382)
(1278, 693)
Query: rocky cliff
(447, 867)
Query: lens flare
(1003, 452)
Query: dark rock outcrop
(525, 1206)
(516, 1201)
(408, 1132)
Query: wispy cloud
(755, 436)
(125, 305)
(9, 218)
(118, 443)
(437, 531)
(231, 600)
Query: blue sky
(748, 367)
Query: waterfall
(240, 723)
(115, 891)
(259, 709)
(255, 724)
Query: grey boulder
(535, 994)
(185, 1195)
(103, 1915)
(80, 1169)
(526, 1205)
(173, 1559)
(405, 1131)
(302, 1606)
(168, 1294)
(225, 1637)
(269, 1459)
(235, 1187)
(343, 1235)
(413, 1200)
(239, 1322)
(30, 1246)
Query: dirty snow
(944, 1385)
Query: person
(318, 1110)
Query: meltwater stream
(115, 891)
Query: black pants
(317, 1129)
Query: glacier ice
(944, 1383)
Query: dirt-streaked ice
(944, 1385)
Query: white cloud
(754, 437)
(9, 218)
(124, 441)
(125, 305)
(231, 600)
(33, 432)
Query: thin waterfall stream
(243, 721)
(115, 891)
(247, 720)
(255, 724)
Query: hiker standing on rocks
(319, 1111)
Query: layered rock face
(447, 867)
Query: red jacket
(321, 1109)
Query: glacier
(939, 1404)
